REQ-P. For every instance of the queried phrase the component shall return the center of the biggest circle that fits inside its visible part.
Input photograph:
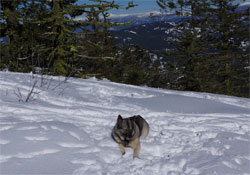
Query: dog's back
(143, 125)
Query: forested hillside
(210, 51)
(213, 48)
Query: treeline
(212, 52)
(47, 36)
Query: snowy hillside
(65, 129)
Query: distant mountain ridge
(152, 17)
(138, 19)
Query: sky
(144, 6)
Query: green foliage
(43, 34)
(135, 66)
(209, 53)
(59, 67)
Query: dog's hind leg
(136, 151)
(145, 130)
(136, 147)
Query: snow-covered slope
(65, 129)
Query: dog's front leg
(122, 149)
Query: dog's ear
(119, 118)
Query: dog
(127, 133)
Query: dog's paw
(136, 158)
(123, 153)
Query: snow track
(67, 130)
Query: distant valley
(155, 37)
(153, 31)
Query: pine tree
(189, 47)
(230, 30)
(43, 34)
(209, 51)
(11, 26)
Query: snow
(157, 28)
(133, 32)
(65, 129)
(245, 4)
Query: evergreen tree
(189, 47)
(135, 66)
(209, 49)
(10, 25)
(43, 33)
(230, 30)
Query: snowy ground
(66, 129)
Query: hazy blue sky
(143, 6)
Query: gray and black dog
(127, 133)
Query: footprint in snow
(56, 128)
(72, 145)
(84, 161)
(75, 135)
(5, 128)
(26, 128)
(4, 142)
(20, 155)
(31, 138)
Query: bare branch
(19, 95)
(31, 91)
(24, 58)
(85, 56)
